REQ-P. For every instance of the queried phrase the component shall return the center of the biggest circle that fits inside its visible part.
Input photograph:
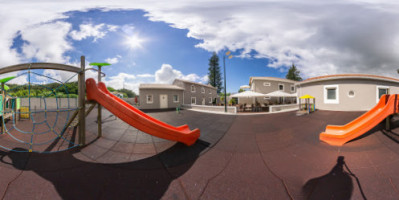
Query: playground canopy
(306, 96)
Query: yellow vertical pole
(99, 117)
(81, 103)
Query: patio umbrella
(280, 94)
(244, 87)
(247, 94)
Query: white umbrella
(280, 94)
(245, 87)
(248, 94)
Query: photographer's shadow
(148, 178)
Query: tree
(214, 75)
(222, 96)
(293, 73)
(111, 89)
(241, 90)
(128, 92)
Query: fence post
(81, 103)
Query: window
(351, 94)
(280, 87)
(381, 90)
(210, 91)
(193, 100)
(266, 84)
(331, 94)
(292, 88)
(192, 88)
(175, 98)
(150, 98)
(202, 90)
(266, 98)
(210, 99)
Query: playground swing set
(89, 93)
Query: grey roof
(271, 79)
(192, 82)
(159, 86)
(348, 76)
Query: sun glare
(134, 42)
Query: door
(203, 101)
(163, 101)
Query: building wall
(258, 86)
(209, 92)
(365, 93)
(156, 98)
(274, 86)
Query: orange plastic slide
(137, 118)
(339, 135)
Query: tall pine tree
(214, 75)
(293, 73)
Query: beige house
(164, 96)
(348, 92)
(196, 93)
(266, 85)
(160, 96)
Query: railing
(281, 108)
(217, 109)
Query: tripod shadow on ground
(337, 184)
(76, 179)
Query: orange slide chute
(136, 117)
(339, 135)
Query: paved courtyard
(272, 156)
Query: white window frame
(174, 98)
(210, 91)
(193, 86)
(202, 90)
(279, 86)
(266, 84)
(195, 100)
(152, 98)
(377, 89)
(331, 101)
(292, 88)
(210, 100)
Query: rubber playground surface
(273, 156)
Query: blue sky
(152, 41)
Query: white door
(203, 101)
(163, 101)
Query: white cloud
(166, 74)
(113, 60)
(146, 75)
(46, 42)
(321, 38)
(90, 30)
